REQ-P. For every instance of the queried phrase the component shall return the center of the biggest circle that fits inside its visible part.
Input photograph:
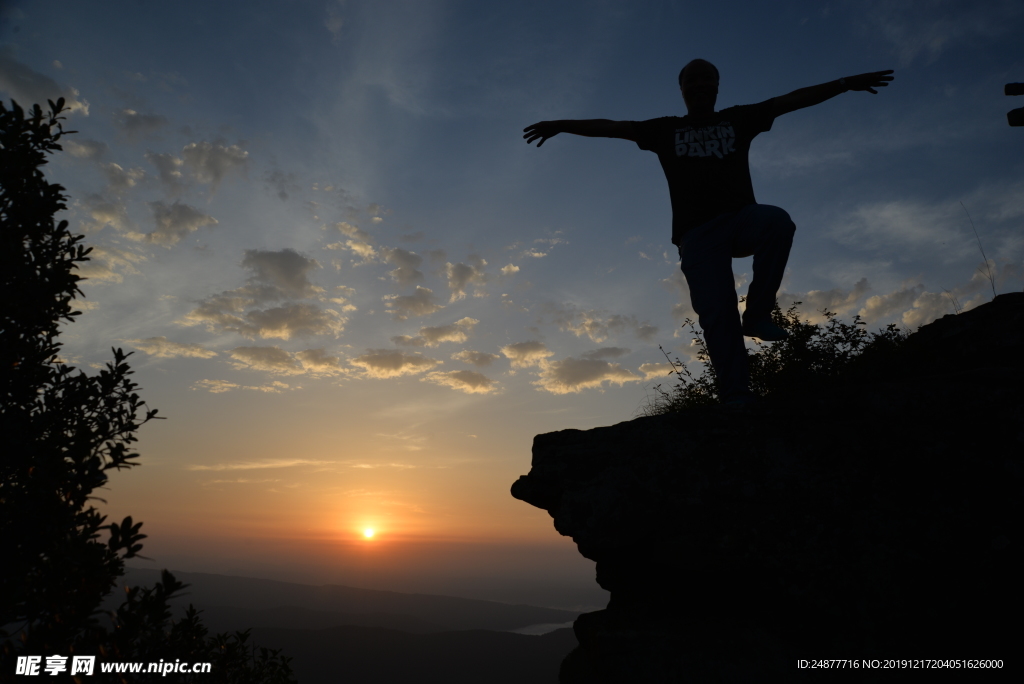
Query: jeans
(706, 253)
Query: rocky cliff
(878, 517)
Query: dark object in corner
(879, 519)
(1015, 117)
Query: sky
(356, 294)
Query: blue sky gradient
(357, 294)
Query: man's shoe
(764, 330)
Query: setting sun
(368, 533)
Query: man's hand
(869, 81)
(542, 130)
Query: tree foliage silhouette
(811, 359)
(63, 432)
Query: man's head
(698, 82)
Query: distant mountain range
(337, 633)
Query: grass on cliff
(811, 359)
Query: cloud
(270, 359)
(431, 336)
(260, 465)
(318, 362)
(391, 363)
(836, 300)
(597, 325)
(460, 276)
(293, 319)
(334, 23)
(285, 269)
(102, 212)
(902, 226)
(476, 358)
(211, 162)
(29, 87)
(420, 303)
(136, 125)
(221, 386)
(162, 348)
(509, 270)
(274, 276)
(929, 29)
(359, 242)
(120, 180)
(681, 310)
(407, 263)
(527, 354)
(175, 222)
(281, 183)
(575, 375)
(656, 370)
(168, 168)
(84, 149)
(467, 381)
(109, 264)
(605, 353)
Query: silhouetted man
(715, 217)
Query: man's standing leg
(705, 256)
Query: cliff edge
(878, 517)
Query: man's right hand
(542, 130)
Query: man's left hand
(869, 81)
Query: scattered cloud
(431, 336)
(162, 348)
(211, 162)
(284, 269)
(575, 375)
(605, 353)
(120, 180)
(136, 125)
(461, 276)
(102, 212)
(837, 300)
(84, 149)
(274, 276)
(281, 183)
(29, 87)
(260, 465)
(656, 370)
(527, 354)
(109, 264)
(293, 319)
(467, 381)
(318, 362)
(175, 222)
(476, 358)
(221, 386)
(407, 263)
(169, 170)
(927, 30)
(598, 325)
(269, 359)
(509, 270)
(420, 303)
(391, 363)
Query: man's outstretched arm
(592, 128)
(807, 97)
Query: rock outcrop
(878, 518)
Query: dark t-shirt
(705, 160)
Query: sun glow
(369, 532)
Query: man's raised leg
(767, 233)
